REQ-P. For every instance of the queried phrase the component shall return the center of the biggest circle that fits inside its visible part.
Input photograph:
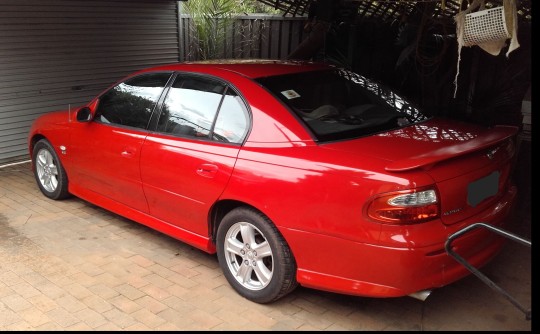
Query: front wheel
(49, 172)
(254, 257)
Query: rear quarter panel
(312, 189)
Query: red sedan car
(293, 173)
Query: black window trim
(228, 85)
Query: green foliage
(212, 21)
(254, 6)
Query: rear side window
(203, 108)
(132, 102)
(232, 121)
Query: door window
(191, 110)
(132, 102)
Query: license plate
(483, 188)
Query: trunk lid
(470, 165)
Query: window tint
(232, 121)
(191, 106)
(191, 110)
(339, 104)
(131, 103)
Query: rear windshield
(338, 104)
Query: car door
(106, 151)
(187, 162)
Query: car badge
(451, 212)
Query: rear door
(187, 162)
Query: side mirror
(84, 115)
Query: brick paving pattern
(69, 265)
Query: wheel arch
(35, 138)
(219, 210)
(222, 207)
(32, 144)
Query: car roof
(251, 68)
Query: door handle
(207, 170)
(127, 152)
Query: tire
(49, 172)
(263, 277)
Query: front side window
(203, 108)
(132, 102)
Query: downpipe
(421, 295)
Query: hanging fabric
(488, 29)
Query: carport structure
(412, 46)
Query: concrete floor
(70, 265)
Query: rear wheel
(49, 172)
(254, 257)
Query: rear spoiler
(498, 134)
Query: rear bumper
(348, 267)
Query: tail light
(405, 207)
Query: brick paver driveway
(70, 265)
